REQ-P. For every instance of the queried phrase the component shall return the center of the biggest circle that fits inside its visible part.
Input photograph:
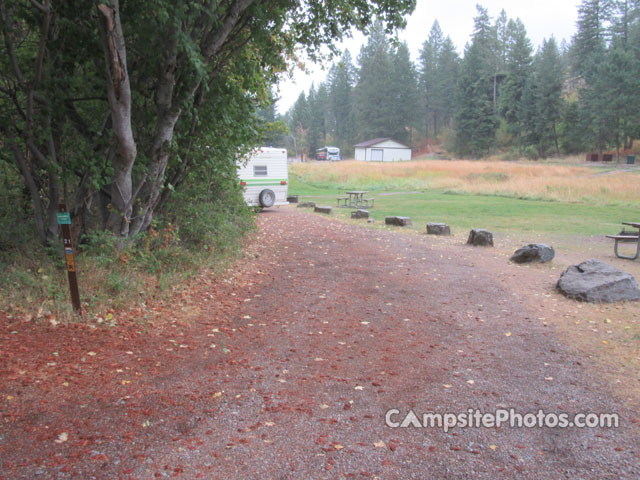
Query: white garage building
(382, 150)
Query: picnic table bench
(344, 200)
(627, 237)
(355, 199)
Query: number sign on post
(64, 220)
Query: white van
(265, 177)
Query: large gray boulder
(307, 205)
(480, 237)
(597, 282)
(398, 221)
(534, 252)
(438, 229)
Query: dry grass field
(567, 182)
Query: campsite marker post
(64, 220)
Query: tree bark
(168, 105)
(119, 96)
(168, 111)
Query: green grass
(504, 214)
(539, 199)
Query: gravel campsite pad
(285, 366)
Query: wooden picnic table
(355, 199)
(627, 237)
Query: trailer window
(260, 170)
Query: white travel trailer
(265, 177)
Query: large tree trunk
(153, 187)
(119, 96)
(169, 110)
(123, 220)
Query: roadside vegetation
(203, 227)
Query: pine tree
(518, 71)
(444, 101)
(374, 91)
(428, 82)
(318, 99)
(617, 88)
(588, 53)
(475, 117)
(503, 38)
(438, 70)
(300, 123)
(550, 80)
(404, 86)
(590, 41)
(341, 83)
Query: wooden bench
(343, 199)
(626, 237)
(368, 202)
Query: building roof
(376, 141)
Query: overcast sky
(542, 18)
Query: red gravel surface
(284, 367)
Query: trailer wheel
(267, 198)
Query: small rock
(371, 220)
(307, 205)
(438, 229)
(360, 213)
(398, 221)
(319, 209)
(480, 237)
(534, 252)
(292, 199)
(597, 282)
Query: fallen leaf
(379, 444)
(63, 437)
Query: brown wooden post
(64, 220)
